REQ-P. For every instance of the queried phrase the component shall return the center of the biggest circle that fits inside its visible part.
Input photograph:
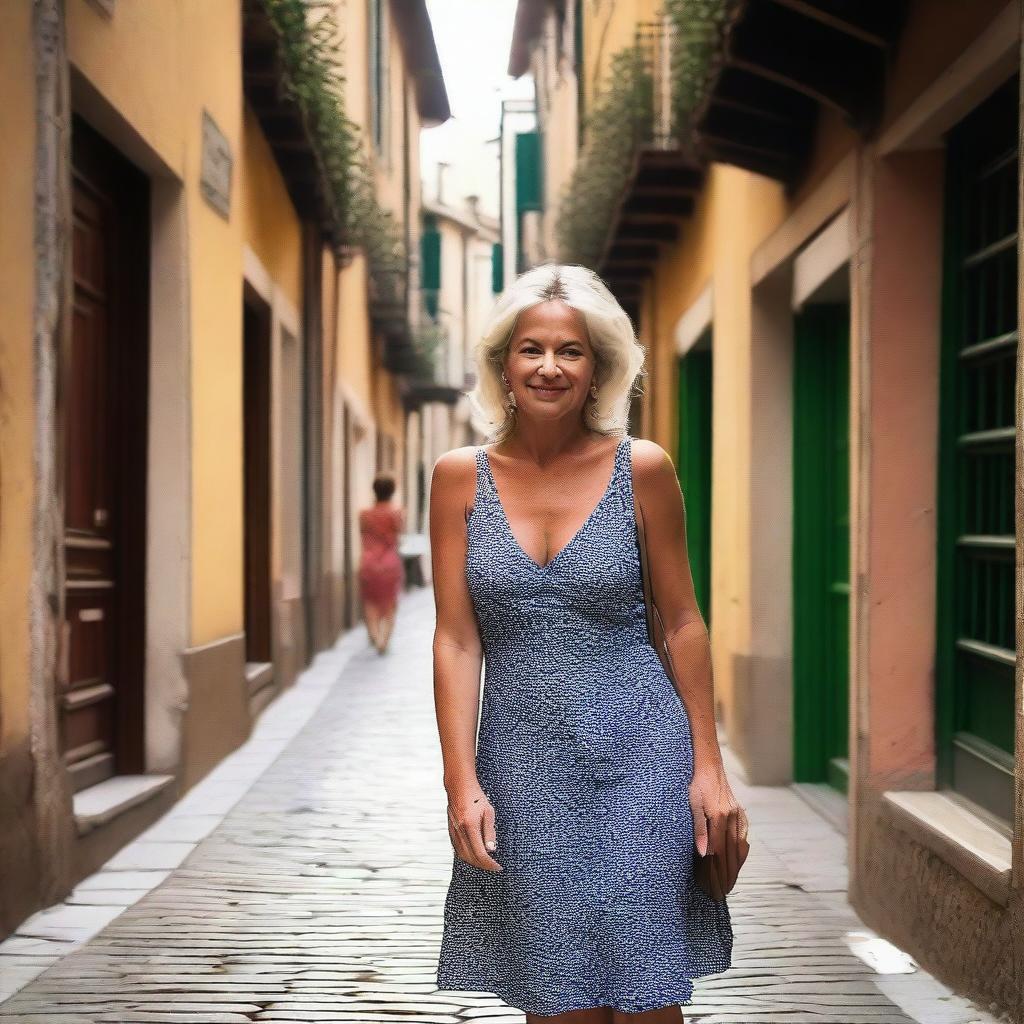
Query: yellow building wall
(17, 172)
(607, 29)
(354, 339)
(734, 213)
(178, 59)
(270, 225)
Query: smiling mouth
(540, 387)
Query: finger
(490, 836)
(700, 830)
(717, 835)
(457, 841)
(714, 877)
(457, 830)
(732, 852)
(720, 844)
(475, 838)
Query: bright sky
(473, 39)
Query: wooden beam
(840, 22)
(771, 165)
(755, 133)
(632, 253)
(627, 271)
(623, 286)
(630, 230)
(675, 179)
(779, 45)
(675, 207)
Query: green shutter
(528, 172)
(976, 555)
(430, 263)
(821, 544)
(497, 268)
(694, 464)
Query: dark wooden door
(100, 688)
(256, 407)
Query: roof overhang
(417, 36)
(528, 24)
(782, 61)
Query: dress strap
(624, 468)
(483, 488)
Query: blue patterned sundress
(585, 751)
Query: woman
(577, 816)
(381, 573)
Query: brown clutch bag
(656, 635)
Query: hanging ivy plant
(697, 40)
(310, 53)
(619, 122)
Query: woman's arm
(457, 657)
(660, 500)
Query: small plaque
(216, 172)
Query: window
(380, 97)
(430, 262)
(976, 558)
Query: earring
(511, 394)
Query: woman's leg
(387, 624)
(372, 618)
(595, 1015)
(663, 1015)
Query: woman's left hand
(719, 829)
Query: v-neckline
(583, 526)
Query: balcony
(433, 378)
(637, 174)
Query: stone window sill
(98, 805)
(963, 840)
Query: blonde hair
(618, 354)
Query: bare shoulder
(454, 466)
(454, 477)
(652, 465)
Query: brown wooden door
(100, 689)
(256, 411)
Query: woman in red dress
(381, 573)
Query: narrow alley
(303, 880)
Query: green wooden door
(694, 464)
(975, 629)
(821, 544)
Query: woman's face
(550, 364)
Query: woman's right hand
(471, 827)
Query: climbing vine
(619, 122)
(697, 38)
(309, 47)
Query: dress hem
(507, 997)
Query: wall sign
(215, 178)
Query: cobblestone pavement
(314, 893)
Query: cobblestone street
(315, 892)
